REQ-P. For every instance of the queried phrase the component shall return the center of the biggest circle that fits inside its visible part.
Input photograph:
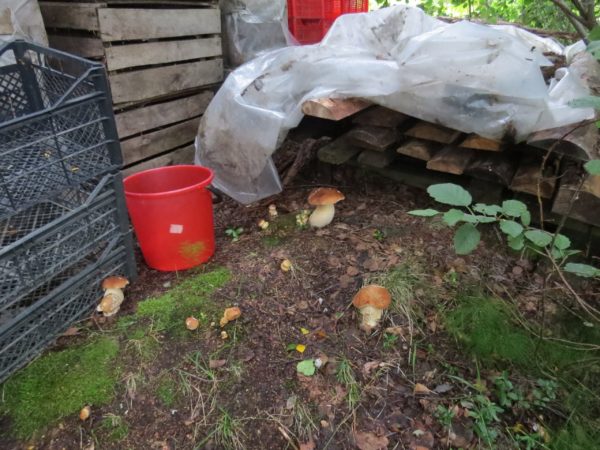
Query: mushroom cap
(372, 295)
(115, 282)
(324, 196)
(232, 313)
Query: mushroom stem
(370, 317)
(322, 216)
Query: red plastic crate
(354, 6)
(309, 31)
(315, 9)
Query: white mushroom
(324, 199)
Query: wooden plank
(494, 167)
(373, 138)
(451, 159)
(146, 84)
(433, 132)
(580, 143)
(334, 108)
(73, 16)
(150, 53)
(338, 151)
(586, 206)
(123, 24)
(144, 146)
(88, 47)
(416, 148)
(6, 26)
(146, 118)
(477, 142)
(184, 155)
(381, 117)
(375, 158)
(529, 172)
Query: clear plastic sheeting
(474, 78)
(20, 19)
(253, 27)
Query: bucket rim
(203, 184)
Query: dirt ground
(381, 390)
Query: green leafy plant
(234, 233)
(389, 341)
(379, 235)
(444, 416)
(484, 413)
(513, 219)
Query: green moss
(486, 326)
(271, 241)
(59, 384)
(166, 390)
(190, 297)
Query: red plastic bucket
(172, 215)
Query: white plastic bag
(470, 77)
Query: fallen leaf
(421, 389)
(443, 388)
(369, 441)
(352, 271)
(396, 331)
(334, 262)
(303, 304)
(300, 348)
(304, 331)
(345, 281)
(216, 363)
(85, 412)
(369, 367)
(306, 367)
(310, 445)
(291, 402)
(71, 331)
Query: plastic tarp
(474, 78)
(253, 27)
(20, 19)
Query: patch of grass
(486, 326)
(59, 384)
(345, 375)
(114, 427)
(401, 281)
(166, 390)
(169, 311)
(304, 422)
(143, 343)
(228, 432)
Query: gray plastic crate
(33, 328)
(57, 126)
(47, 244)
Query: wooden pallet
(160, 56)
(149, 133)
(149, 52)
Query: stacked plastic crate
(63, 221)
(309, 20)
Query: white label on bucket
(176, 229)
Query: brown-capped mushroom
(191, 323)
(85, 412)
(371, 300)
(113, 295)
(324, 199)
(230, 314)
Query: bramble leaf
(513, 208)
(466, 239)
(539, 237)
(424, 212)
(583, 270)
(450, 194)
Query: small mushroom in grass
(191, 323)
(371, 300)
(230, 314)
(273, 210)
(324, 199)
(263, 224)
(85, 412)
(113, 295)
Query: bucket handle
(217, 195)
